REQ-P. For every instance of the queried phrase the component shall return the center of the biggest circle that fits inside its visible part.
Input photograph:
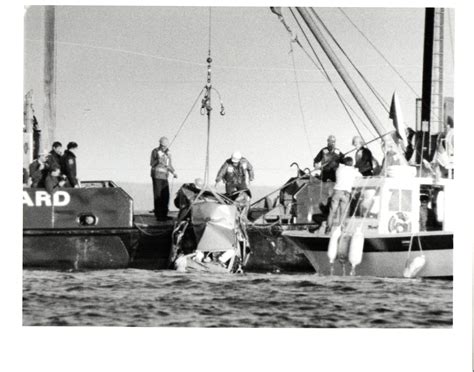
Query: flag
(397, 118)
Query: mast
(49, 116)
(316, 31)
(432, 116)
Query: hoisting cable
(323, 71)
(299, 100)
(379, 52)
(187, 116)
(377, 95)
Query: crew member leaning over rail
(236, 173)
(54, 180)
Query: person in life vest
(363, 157)
(328, 159)
(345, 176)
(161, 167)
(69, 165)
(236, 173)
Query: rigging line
(377, 95)
(380, 53)
(323, 71)
(187, 116)
(299, 99)
(210, 9)
(451, 35)
(170, 59)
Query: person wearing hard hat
(236, 173)
(161, 167)
(328, 159)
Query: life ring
(399, 223)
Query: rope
(187, 116)
(324, 72)
(379, 52)
(299, 99)
(451, 36)
(371, 87)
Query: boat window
(365, 202)
(400, 204)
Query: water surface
(145, 298)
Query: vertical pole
(49, 118)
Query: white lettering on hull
(58, 199)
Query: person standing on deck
(38, 170)
(363, 157)
(53, 159)
(236, 173)
(161, 167)
(69, 165)
(328, 159)
(345, 176)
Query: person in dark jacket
(38, 170)
(53, 159)
(363, 157)
(236, 173)
(68, 165)
(53, 180)
(328, 159)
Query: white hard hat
(236, 156)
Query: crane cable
(299, 99)
(323, 71)
(379, 52)
(377, 95)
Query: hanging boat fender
(180, 264)
(333, 243)
(414, 266)
(343, 247)
(356, 250)
(440, 200)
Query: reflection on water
(165, 298)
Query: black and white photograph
(242, 170)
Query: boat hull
(78, 250)
(271, 252)
(383, 255)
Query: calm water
(168, 299)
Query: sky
(128, 75)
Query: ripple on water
(165, 298)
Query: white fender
(357, 247)
(332, 246)
(180, 264)
(226, 256)
(343, 247)
(412, 268)
(199, 256)
(440, 200)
